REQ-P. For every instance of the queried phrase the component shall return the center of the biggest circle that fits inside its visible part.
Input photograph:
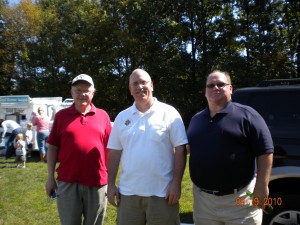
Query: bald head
(139, 73)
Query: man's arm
(264, 167)
(4, 129)
(52, 155)
(174, 191)
(113, 194)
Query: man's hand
(260, 193)
(50, 185)
(113, 195)
(174, 193)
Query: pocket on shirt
(159, 132)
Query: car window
(280, 110)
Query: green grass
(23, 198)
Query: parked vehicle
(67, 102)
(278, 102)
(20, 107)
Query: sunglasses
(219, 85)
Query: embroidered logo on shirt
(127, 122)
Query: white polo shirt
(147, 141)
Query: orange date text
(269, 201)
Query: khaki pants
(137, 210)
(75, 200)
(233, 209)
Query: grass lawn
(23, 198)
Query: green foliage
(23, 198)
(43, 45)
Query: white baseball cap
(83, 77)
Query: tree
(45, 44)
(20, 26)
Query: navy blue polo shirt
(223, 148)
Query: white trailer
(20, 107)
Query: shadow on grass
(11, 161)
(7, 162)
(186, 217)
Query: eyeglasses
(219, 85)
(79, 92)
(137, 83)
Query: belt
(222, 193)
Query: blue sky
(13, 1)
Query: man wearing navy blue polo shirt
(231, 152)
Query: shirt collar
(152, 109)
(227, 109)
(74, 111)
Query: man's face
(141, 87)
(82, 93)
(218, 90)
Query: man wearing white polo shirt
(149, 139)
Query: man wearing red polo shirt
(78, 141)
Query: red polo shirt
(81, 140)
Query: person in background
(149, 138)
(19, 145)
(54, 110)
(231, 152)
(29, 139)
(12, 127)
(42, 123)
(78, 140)
(1, 128)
